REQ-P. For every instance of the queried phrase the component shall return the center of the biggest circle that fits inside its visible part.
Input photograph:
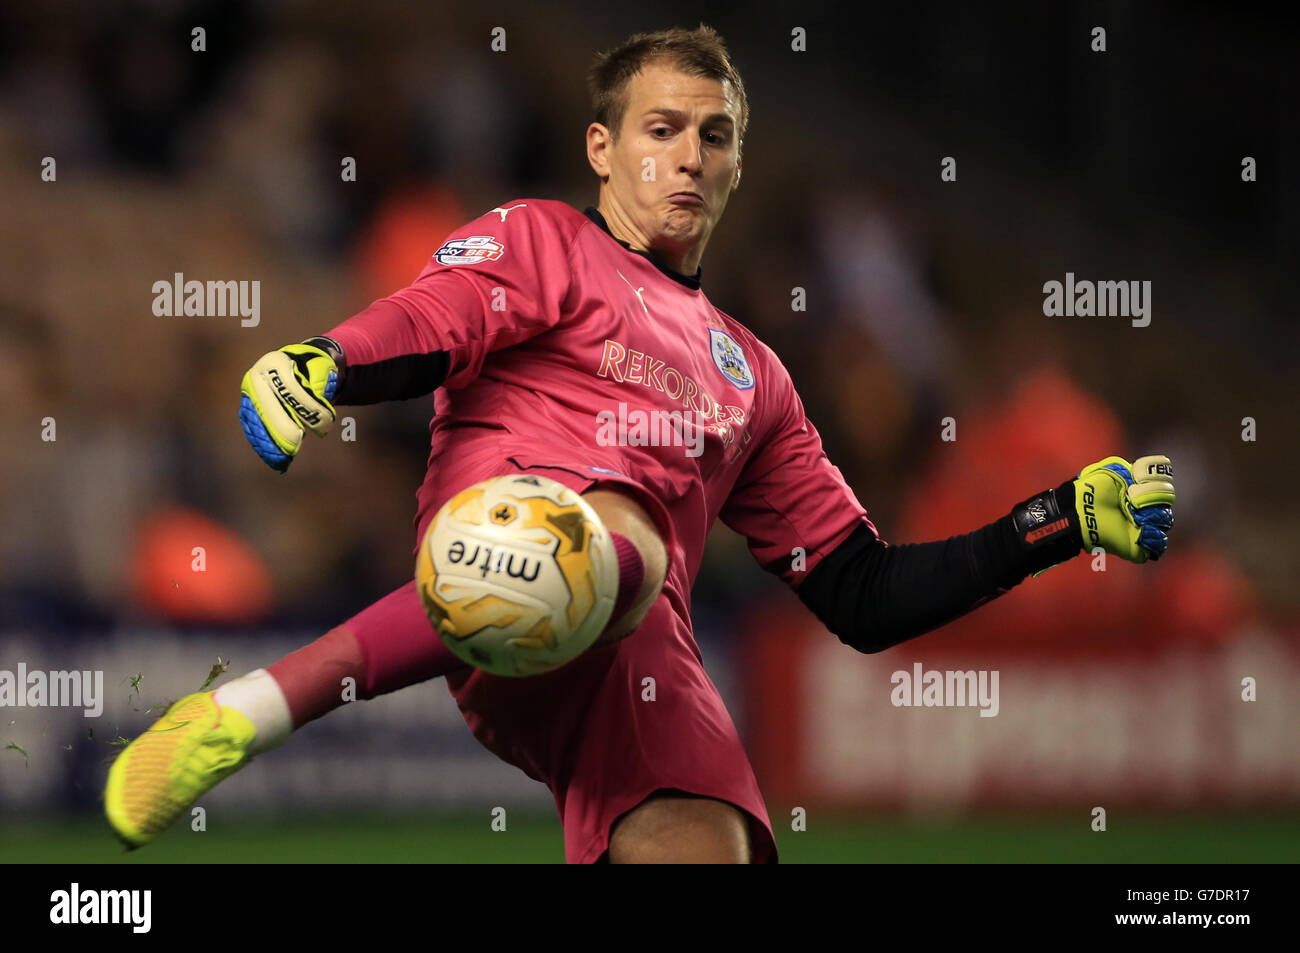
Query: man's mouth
(687, 199)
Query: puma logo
(506, 211)
(635, 291)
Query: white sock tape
(258, 697)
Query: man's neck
(685, 259)
(688, 281)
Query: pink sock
(631, 573)
(311, 678)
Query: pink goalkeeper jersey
(568, 349)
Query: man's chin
(684, 225)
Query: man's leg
(385, 647)
(207, 736)
(673, 827)
(390, 644)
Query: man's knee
(678, 828)
(624, 515)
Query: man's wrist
(335, 351)
(1047, 527)
(330, 347)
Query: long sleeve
(495, 282)
(804, 524)
(873, 595)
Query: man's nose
(688, 158)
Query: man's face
(674, 163)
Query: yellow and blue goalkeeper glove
(1125, 510)
(286, 393)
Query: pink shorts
(613, 726)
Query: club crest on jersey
(469, 251)
(730, 359)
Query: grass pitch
(465, 839)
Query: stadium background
(1119, 689)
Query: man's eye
(660, 129)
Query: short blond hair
(698, 52)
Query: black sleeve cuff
(398, 378)
(1045, 529)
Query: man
(531, 322)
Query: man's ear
(735, 183)
(598, 141)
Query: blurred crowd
(923, 304)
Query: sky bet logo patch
(469, 251)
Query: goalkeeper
(527, 325)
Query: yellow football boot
(159, 775)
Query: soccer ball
(517, 574)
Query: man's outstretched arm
(873, 595)
(805, 525)
(493, 284)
